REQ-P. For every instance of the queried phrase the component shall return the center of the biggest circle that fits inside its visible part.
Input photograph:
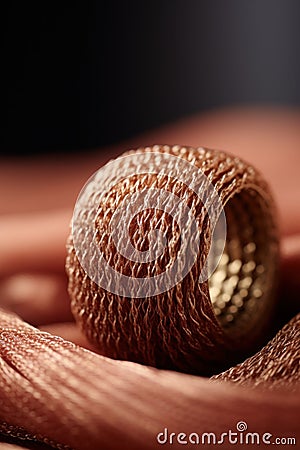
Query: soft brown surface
(59, 393)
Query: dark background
(77, 75)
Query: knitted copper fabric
(276, 366)
(60, 395)
(193, 327)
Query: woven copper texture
(56, 393)
(276, 366)
(196, 328)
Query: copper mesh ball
(192, 327)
